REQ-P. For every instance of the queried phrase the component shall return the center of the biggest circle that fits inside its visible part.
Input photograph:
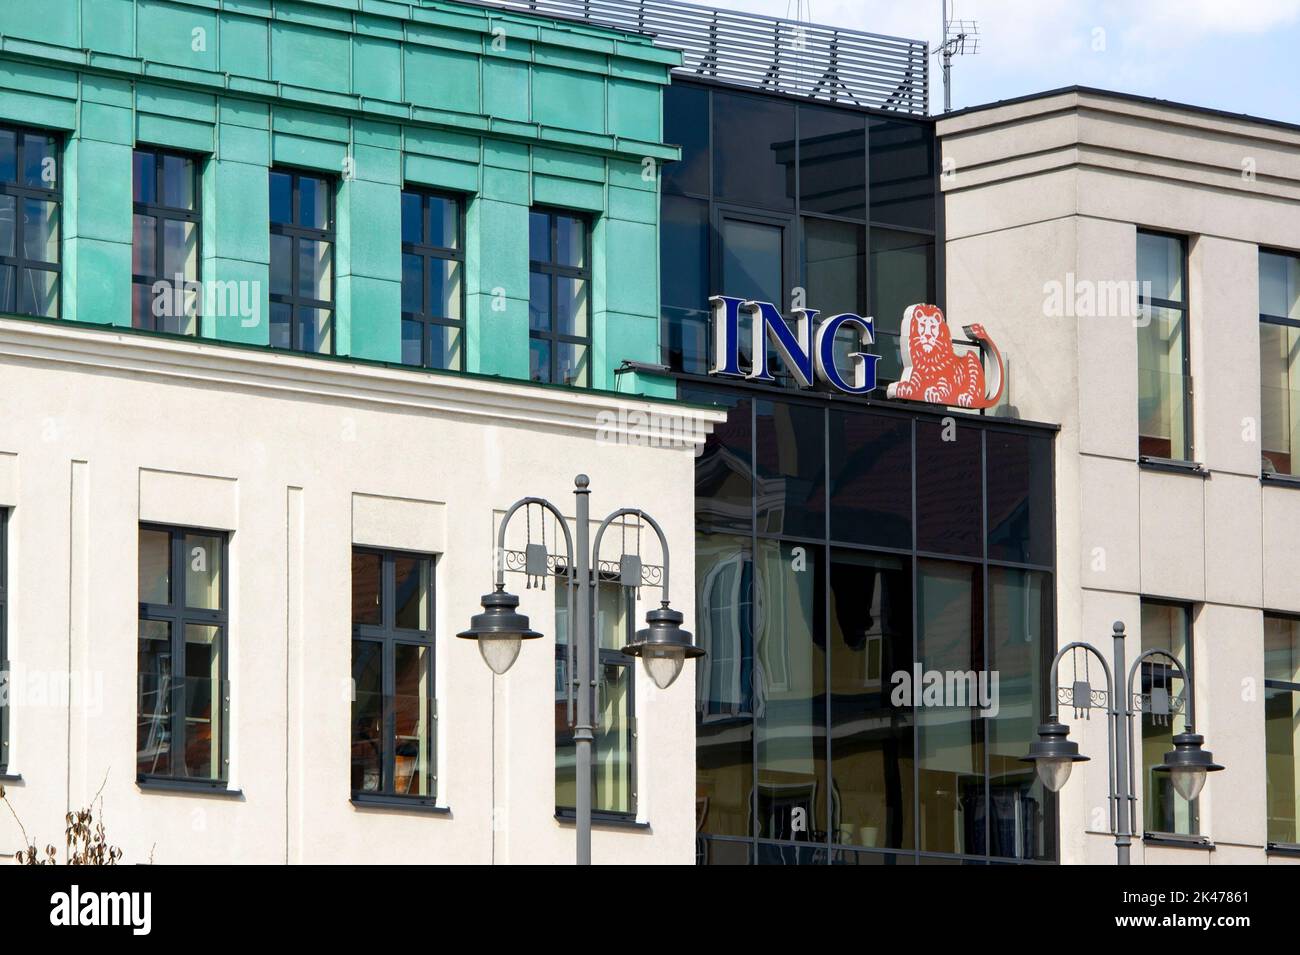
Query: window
(4, 642)
(30, 197)
(393, 705)
(1168, 627)
(1282, 726)
(165, 243)
(1164, 364)
(613, 763)
(302, 262)
(559, 298)
(1279, 360)
(183, 696)
(433, 298)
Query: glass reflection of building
(840, 540)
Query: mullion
(388, 591)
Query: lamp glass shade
(1054, 771)
(500, 651)
(1188, 781)
(663, 664)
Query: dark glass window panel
(871, 479)
(313, 202)
(571, 364)
(1022, 812)
(902, 172)
(142, 305)
(367, 716)
(1167, 627)
(444, 288)
(852, 857)
(411, 578)
(539, 236)
(203, 569)
(153, 748)
(41, 230)
(1279, 285)
(180, 250)
(686, 336)
(684, 252)
(1281, 742)
(8, 208)
(753, 155)
(949, 494)
(281, 198)
(8, 288)
(40, 162)
(791, 682)
(412, 343)
(686, 124)
(723, 472)
(724, 756)
(155, 567)
(412, 283)
(281, 265)
(722, 852)
(790, 490)
(1019, 497)
(539, 360)
(413, 764)
(412, 217)
(315, 269)
(367, 583)
(445, 346)
(313, 330)
(832, 162)
(144, 248)
(570, 242)
(834, 266)
(178, 181)
(752, 260)
(144, 177)
(539, 302)
(950, 738)
(902, 274)
(281, 321)
(871, 737)
(1282, 649)
(38, 293)
(8, 155)
(203, 693)
(444, 222)
(571, 307)
(769, 853)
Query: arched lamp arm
(501, 538)
(1182, 673)
(654, 525)
(1056, 662)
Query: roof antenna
(959, 37)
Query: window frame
(1292, 686)
(427, 252)
(389, 637)
(1266, 318)
(298, 233)
(1160, 667)
(4, 642)
(554, 271)
(177, 614)
(605, 656)
(19, 261)
(1184, 309)
(162, 214)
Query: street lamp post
(1054, 754)
(500, 629)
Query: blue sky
(1237, 55)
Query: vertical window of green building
(433, 257)
(165, 294)
(1279, 360)
(31, 195)
(1164, 359)
(302, 261)
(1282, 726)
(559, 298)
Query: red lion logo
(932, 369)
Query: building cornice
(501, 402)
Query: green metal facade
(509, 110)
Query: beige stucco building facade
(1049, 193)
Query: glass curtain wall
(842, 556)
(794, 203)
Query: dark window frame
(1266, 318)
(434, 253)
(19, 261)
(554, 270)
(298, 233)
(605, 656)
(1184, 309)
(161, 214)
(389, 636)
(178, 615)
